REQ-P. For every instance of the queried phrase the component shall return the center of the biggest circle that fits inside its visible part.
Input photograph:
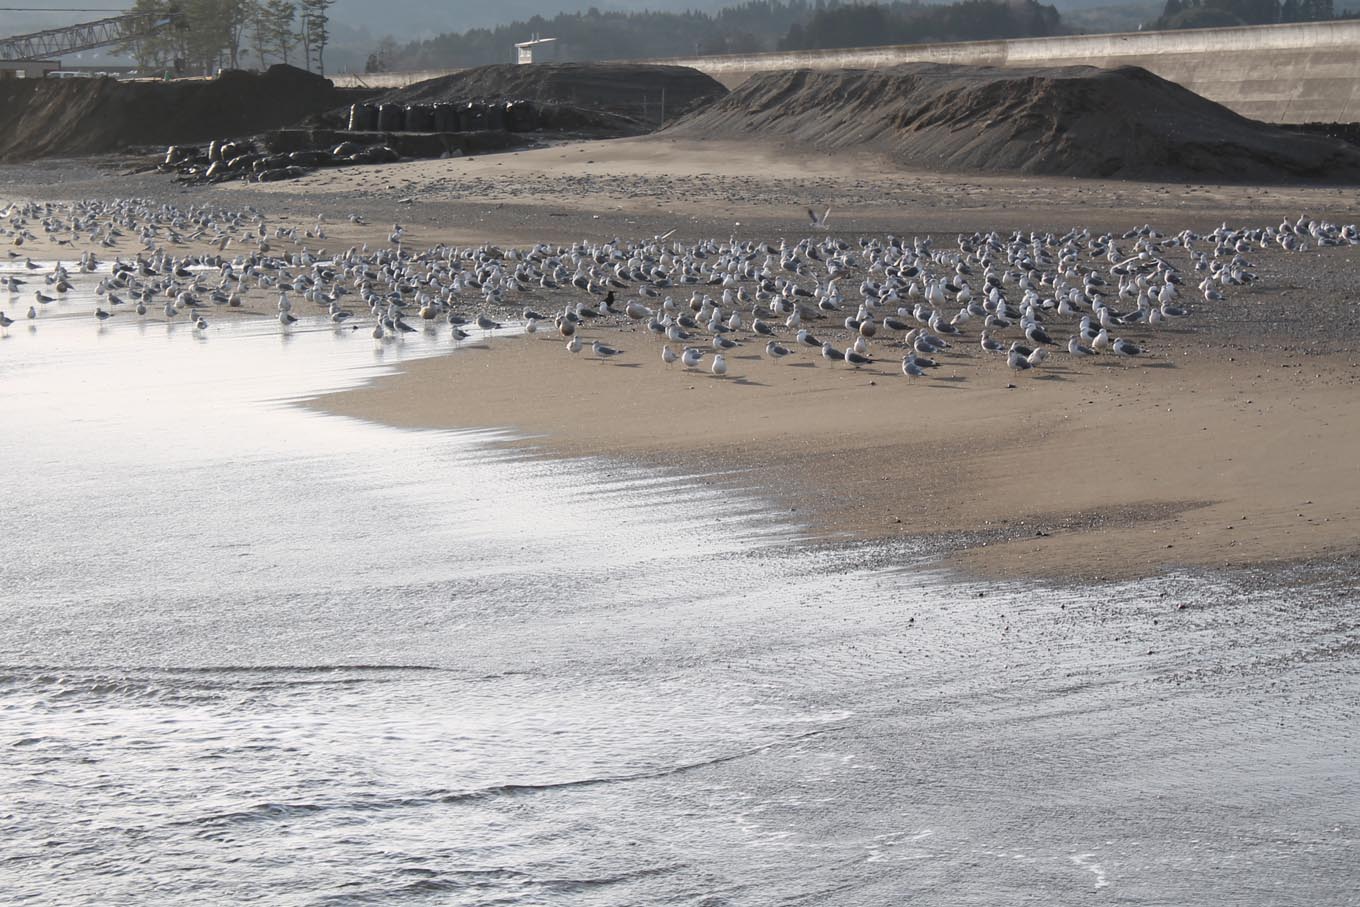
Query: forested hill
(758, 25)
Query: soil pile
(61, 117)
(641, 92)
(1077, 121)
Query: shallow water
(254, 653)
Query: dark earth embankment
(644, 92)
(65, 117)
(1080, 121)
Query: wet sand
(1101, 469)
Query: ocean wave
(447, 880)
(272, 811)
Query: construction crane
(46, 45)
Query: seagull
(602, 351)
(1017, 361)
(719, 365)
(816, 222)
(668, 355)
(286, 319)
(910, 368)
(1124, 348)
(856, 359)
(776, 351)
(831, 354)
(574, 344)
(5, 321)
(691, 357)
(1035, 334)
(102, 315)
(487, 324)
(1077, 348)
(805, 337)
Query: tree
(381, 59)
(315, 33)
(259, 31)
(151, 51)
(279, 15)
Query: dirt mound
(1077, 121)
(642, 92)
(58, 117)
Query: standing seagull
(1124, 348)
(856, 359)
(719, 365)
(603, 352)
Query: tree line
(751, 27)
(919, 23)
(208, 35)
(1221, 13)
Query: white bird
(574, 344)
(719, 365)
(691, 357)
(668, 355)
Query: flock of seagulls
(1023, 297)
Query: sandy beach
(1229, 444)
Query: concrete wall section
(1298, 73)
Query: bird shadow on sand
(745, 382)
(1159, 365)
(802, 365)
(747, 358)
(948, 380)
(623, 364)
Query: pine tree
(315, 33)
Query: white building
(537, 50)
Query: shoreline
(879, 458)
(1244, 409)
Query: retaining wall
(1298, 73)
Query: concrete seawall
(1298, 73)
